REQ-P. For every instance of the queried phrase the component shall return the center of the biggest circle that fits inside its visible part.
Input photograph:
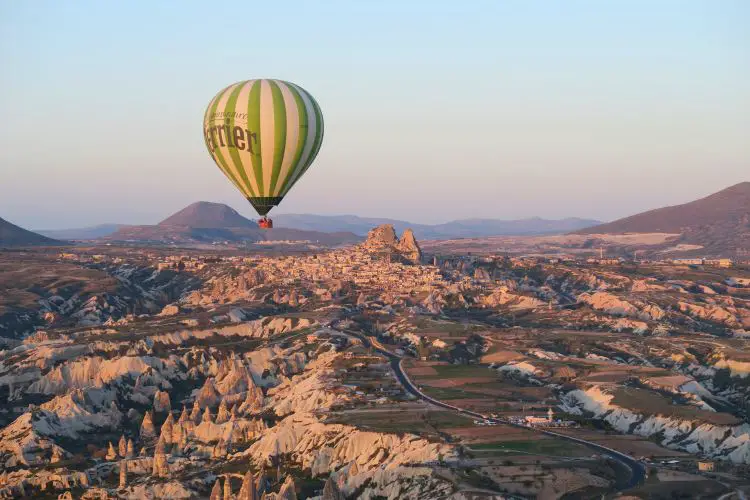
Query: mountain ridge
(217, 215)
(16, 236)
(81, 233)
(460, 228)
(206, 214)
(719, 222)
(731, 201)
(207, 223)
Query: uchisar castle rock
(383, 239)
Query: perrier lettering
(227, 136)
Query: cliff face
(384, 239)
(354, 457)
(722, 442)
(409, 247)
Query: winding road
(636, 468)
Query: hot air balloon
(263, 134)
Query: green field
(652, 403)
(443, 393)
(399, 421)
(449, 328)
(461, 371)
(554, 447)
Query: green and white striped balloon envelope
(264, 135)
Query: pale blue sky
(434, 110)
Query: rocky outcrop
(29, 439)
(287, 490)
(166, 429)
(148, 431)
(208, 395)
(434, 302)
(253, 401)
(327, 447)
(409, 248)
(22, 444)
(57, 455)
(260, 328)
(694, 436)
(195, 414)
(207, 418)
(216, 491)
(227, 488)
(737, 368)
(111, 453)
(171, 489)
(502, 297)
(161, 402)
(222, 414)
(170, 310)
(160, 466)
(623, 324)
(122, 446)
(308, 391)
(711, 313)
(76, 302)
(383, 239)
(97, 372)
(382, 236)
(611, 304)
(647, 285)
(331, 491)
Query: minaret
(549, 414)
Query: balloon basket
(265, 223)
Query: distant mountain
(207, 215)
(14, 236)
(474, 228)
(186, 235)
(82, 233)
(719, 222)
(466, 228)
(207, 223)
(352, 223)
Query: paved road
(637, 469)
(738, 493)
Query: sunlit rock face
(409, 247)
(355, 457)
(383, 239)
(383, 235)
(717, 441)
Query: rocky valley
(383, 369)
